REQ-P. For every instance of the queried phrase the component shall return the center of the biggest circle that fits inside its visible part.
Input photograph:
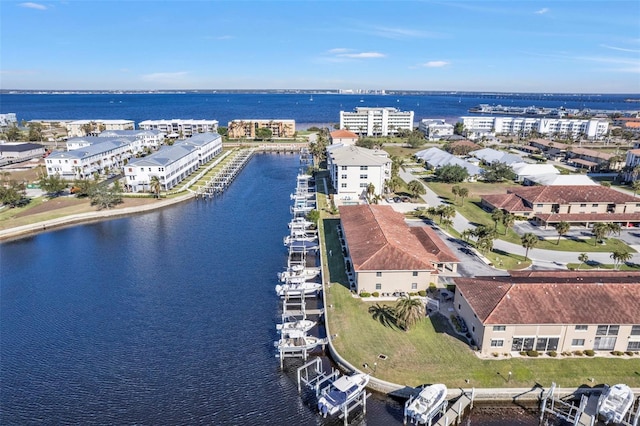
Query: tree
(371, 190)
(635, 185)
(416, 188)
(53, 185)
(613, 228)
(313, 216)
(583, 257)
(619, 257)
(458, 128)
(35, 132)
(446, 211)
(385, 314)
(455, 190)
(397, 164)
(599, 230)
(497, 215)
(562, 228)
(463, 193)
(416, 140)
(83, 187)
(105, 197)
(13, 194)
(498, 172)
(451, 174)
(155, 186)
(508, 219)
(409, 311)
(263, 133)
(13, 133)
(529, 240)
(394, 183)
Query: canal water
(166, 317)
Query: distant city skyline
(555, 46)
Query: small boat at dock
(429, 399)
(617, 400)
(298, 272)
(341, 393)
(297, 328)
(294, 344)
(298, 289)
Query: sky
(554, 46)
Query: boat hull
(428, 401)
(341, 393)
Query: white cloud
(435, 64)
(30, 5)
(621, 49)
(165, 77)
(362, 55)
(338, 50)
(542, 11)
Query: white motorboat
(298, 272)
(341, 392)
(297, 328)
(293, 344)
(300, 222)
(428, 400)
(615, 403)
(296, 246)
(298, 289)
(297, 236)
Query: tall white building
(376, 121)
(353, 168)
(479, 126)
(435, 128)
(175, 128)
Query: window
(633, 346)
(364, 185)
(378, 274)
(604, 343)
(364, 167)
(499, 327)
(544, 344)
(364, 176)
(343, 185)
(583, 205)
(594, 205)
(582, 327)
(378, 286)
(497, 343)
(635, 330)
(343, 176)
(539, 205)
(607, 330)
(577, 342)
(522, 344)
(415, 274)
(343, 167)
(414, 286)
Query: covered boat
(422, 408)
(615, 403)
(341, 392)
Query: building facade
(561, 311)
(352, 169)
(142, 138)
(478, 126)
(79, 128)
(343, 137)
(435, 129)
(20, 151)
(81, 163)
(247, 128)
(385, 121)
(177, 128)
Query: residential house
(352, 169)
(576, 204)
(83, 162)
(343, 137)
(490, 155)
(561, 311)
(435, 158)
(435, 129)
(385, 255)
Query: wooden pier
(223, 178)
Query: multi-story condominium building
(142, 138)
(385, 255)
(8, 119)
(177, 128)
(247, 128)
(171, 164)
(20, 151)
(343, 137)
(561, 311)
(111, 154)
(576, 204)
(435, 128)
(79, 128)
(353, 169)
(85, 141)
(367, 121)
(485, 125)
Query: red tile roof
(565, 194)
(583, 162)
(589, 217)
(434, 245)
(343, 134)
(509, 202)
(380, 240)
(571, 298)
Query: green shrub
(566, 353)
(589, 352)
(617, 353)
(533, 354)
(495, 354)
(523, 353)
(365, 294)
(375, 294)
(413, 294)
(578, 353)
(552, 353)
(422, 293)
(629, 353)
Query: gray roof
(19, 147)
(490, 155)
(165, 155)
(130, 133)
(200, 139)
(91, 140)
(351, 155)
(90, 150)
(435, 157)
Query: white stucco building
(78, 128)
(353, 168)
(435, 128)
(175, 128)
(142, 138)
(93, 158)
(478, 126)
(376, 121)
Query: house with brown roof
(385, 255)
(552, 311)
(576, 204)
(344, 137)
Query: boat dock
(440, 415)
(223, 178)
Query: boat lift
(440, 410)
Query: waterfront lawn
(472, 210)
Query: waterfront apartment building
(352, 169)
(178, 128)
(8, 119)
(14, 152)
(561, 311)
(172, 164)
(247, 128)
(366, 121)
(142, 138)
(479, 126)
(632, 165)
(83, 162)
(435, 129)
(387, 256)
(79, 128)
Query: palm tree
(463, 193)
(371, 190)
(599, 230)
(155, 185)
(583, 258)
(635, 185)
(529, 240)
(394, 183)
(466, 234)
(613, 228)
(619, 257)
(496, 216)
(446, 211)
(416, 188)
(455, 190)
(397, 163)
(409, 312)
(508, 219)
(562, 228)
(385, 314)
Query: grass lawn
(472, 210)
(429, 353)
(401, 150)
